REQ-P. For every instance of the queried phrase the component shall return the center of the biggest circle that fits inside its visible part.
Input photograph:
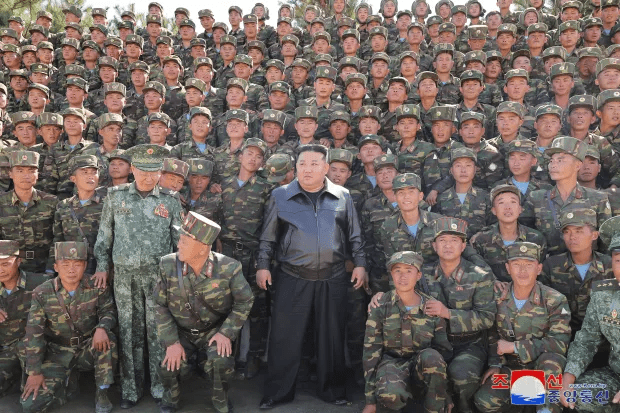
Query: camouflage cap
(290, 38)
(326, 72)
(250, 18)
(280, 86)
(376, 139)
(8, 249)
(48, 118)
(197, 41)
(514, 107)
(114, 87)
(477, 32)
(593, 152)
(128, 13)
(472, 75)
(257, 44)
(45, 14)
(450, 226)
(303, 112)
(380, 56)
(356, 77)
(401, 80)
(91, 45)
(75, 69)
(73, 9)
(119, 154)
(416, 25)
(537, 28)
(79, 82)
(83, 162)
(135, 39)
(475, 56)
(113, 41)
(462, 152)
(71, 250)
(200, 228)
(465, 116)
(405, 257)
(99, 12)
(176, 59)
(502, 189)
(427, 75)
(351, 33)
(200, 110)
(74, 112)
(521, 145)
(378, 30)
(302, 63)
(238, 114)
(181, 10)
(16, 19)
(153, 18)
(459, 8)
(385, 161)
(3, 89)
(406, 180)
(409, 53)
(155, 4)
(45, 45)
(139, 65)
(609, 232)
(156, 86)
(164, 40)
(126, 24)
(147, 157)
(23, 158)
(23, 116)
(28, 48)
(99, 27)
(507, 28)
(9, 33)
(40, 87)
(517, 73)
(256, 143)
(447, 27)
(578, 217)
(175, 166)
(203, 61)
(560, 69)
(239, 83)
(187, 23)
(284, 19)
(322, 34)
(323, 57)
(243, 58)
(108, 61)
(221, 25)
(572, 4)
(523, 250)
(609, 51)
(196, 83)
(609, 95)
(590, 52)
(340, 155)
(275, 116)
(433, 20)
(38, 28)
(75, 26)
(608, 3)
(279, 64)
(200, 166)
(349, 61)
(494, 55)
(158, 117)
(407, 111)
(277, 166)
(554, 51)
(339, 115)
(549, 109)
(569, 145)
(591, 22)
(443, 48)
(370, 111)
(446, 112)
(110, 119)
(18, 72)
(569, 25)
(609, 63)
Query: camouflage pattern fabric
(476, 209)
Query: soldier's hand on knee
(3, 316)
(33, 384)
(101, 341)
(370, 408)
(224, 345)
(175, 354)
(101, 279)
(616, 398)
(489, 373)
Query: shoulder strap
(556, 222)
(61, 301)
(77, 222)
(186, 299)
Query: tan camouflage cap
(110, 119)
(385, 161)
(275, 116)
(147, 157)
(8, 249)
(447, 27)
(48, 118)
(290, 38)
(609, 63)
(513, 107)
(156, 86)
(244, 59)
(462, 152)
(609, 95)
(593, 152)
(340, 155)
(277, 166)
(608, 3)
(153, 18)
(74, 112)
(303, 112)
(472, 75)
(70, 250)
(256, 143)
(238, 83)
(560, 69)
(578, 217)
(39, 68)
(569, 145)
(200, 228)
(380, 56)
(99, 27)
(477, 32)
(405, 257)
(521, 145)
(302, 63)
(409, 53)
(196, 83)
(74, 26)
(82, 162)
(502, 189)
(199, 166)
(608, 52)
(507, 28)
(176, 166)
(443, 48)
(446, 112)
(228, 39)
(135, 39)
(569, 25)
(158, 117)
(517, 73)
(114, 87)
(24, 116)
(370, 111)
(188, 23)
(45, 45)
(549, 109)
(257, 44)
(238, 114)
(108, 61)
(120, 154)
(582, 101)
(40, 87)
(537, 28)
(407, 111)
(175, 59)
(349, 61)
(554, 51)
(523, 250)
(200, 110)
(75, 69)
(451, 226)
(609, 232)
(69, 41)
(11, 48)
(164, 40)
(476, 56)
(591, 22)
(326, 72)
(351, 33)
(356, 77)
(181, 10)
(406, 180)
(590, 52)
(378, 30)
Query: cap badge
(453, 226)
(273, 169)
(582, 99)
(24, 157)
(199, 166)
(523, 248)
(149, 151)
(569, 215)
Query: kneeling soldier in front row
(69, 327)
(201, 301)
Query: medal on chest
(161, 211)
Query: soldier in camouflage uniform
(324, 85)
(173, 175)
(204, 322)
(197, 196)
(69, 330)
(449, 85)
(404, 348)
(111, 133)
(114, 101)
(194, 97)
(49, 128)
(236, 95)
(340, 169)
(472, 85)
(530, 332)
(226, 157)
(154, 98)
(370, 146)
(156, 214)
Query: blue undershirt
(583, 269)
(413, 229)
(240, 182)
(518, 303)
(461, 197)
(201, 146)
(8, 292)
(373, 180)
(507, 243)
(521, 185)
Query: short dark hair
(312, 147)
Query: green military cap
(593, 152)
(71, 250)
(340, 155)
(572, 4)
(174, 58)
(402, 80)
(405, 257)
(197, 41)
(74, 26)
(302, 63)
(181, 10)
(578, 217)
(608, 3)
(156, 86)
(45, 13)
(609, 63)
(321, 34)
(465, 116)
(433, 20)
(376, 139)
(23, 158)
(443, 48)
(175, 166)
(243, 58)
(450, 226)
(203, 61)
(326, 72)
(38, 28)
(113, 41)
(73, 9)
(48, 118)
(126, 24)
(120, 154)
(609, 232)
(250, 18)
(339, 115)
(257, 44)
(279, 64)
(19, 72)
(554, 51)
(569, 25)
(273, 115)
(472, 75)
(380, 56)
(462, 152)
(8, 248)
(196, 83)
(23, 116)
(280, 86)
(135, 39)
(559, 69)
(494, 55)
(110, 119)
(188, 23)
(74, 112)
(159, 117)
(477, 32)
(502, 189)
(407, 111)
(290, 38)
(519, 53)
(590, 52)
(256, 143)
(155, 4)
(537, 28)
(569, 145)
(3, 89)
(277, 166)
(609, 95)
(200, 228)
(549, 109)
(45, 45)
(507, 28)
(40, 87)
(79, 82)
(406, 180)
(99, 12)
(427, 75)
(238, 114)
(114, 87)
(349, 61)
(75, 69)
(28, 48)
(591, 22)
(459, 8)
(199, 166)
(108, 61)
(237, 82)
(128, 13)
(378, 30)
(153, 18)
(306, 112)
(147, 157)
(9, 33)
(415, 25)
(447, 27)
(514, 107)
(351, 33)
(82, 162)
(284, 19)
(370, 111)
(164, 40)
(200, 110)
(523, 250)
(323, 57)
(385, 160)
(140, 65)
(99, 27)
(221, 25)
(403, 13)
(235, 8)
(409, 53)
(16, 19)
(522, 145)
(517, 73)
(445, 112)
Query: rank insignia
(161, 211)
(614, 314)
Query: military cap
(9, 33)
(71, 250)
(196, 83)
(517, 73)
(16, 19)
(306, 112)
(609, 63)
(405, 257)
(158, 117)
(302, 63)
(250, 18)
(114, 87)
(519, 53)
(507, 28)
(82, 162)
(548, 109)
(45, 45)
(443, 48)
(578, 217)
(326, 72)
(235, 8)
(257, 44)
(378, 30)
(370, 111)
(609, 232)
(402, 80)
(273, 115)
(462, 152)
(514, 107)
(128, 13)
(521, 145)
(205, 13)
(154, 3)
(188, 23)
(237, 82)
(406, 180)
(340, 155)
(407, 111)
(153, 18)
(591, 22)
(450, 226)
(409, 53)
(40, 87)
(339, 115)
(75, 69)
(569, 145)
(199, 166)
(280, 86)
(523, 250)
(3, 89)
(74, 26)
(79, 82)
(503, 188)
(447, 27)
(203, 61)
(73, 9)
(321, 35)
(238, 114)
(126, 24)
(537, 28)
(351, 61)
(472, 75)
(569, 25)
(139, 65)
(164, 40)
(46, 14)
(119, 154)
(277, 166)
(99, 27)
(554, 51)
(608, 3)
(465, 116)
(147, 157)
(433, 20)
(113, 41)
(494, 55)
(99, 12)
(174, 58)
(135, 39)
(19, 72)
(8, 248)
(402, 13)
(23, 158)
(459, 8)
(28, 48)
(290, 38)
(243, 58)
(380, 56)
(284, 19)
(24, 116)
(48, 118)
(200, 110)
(385, 160)
(8, 48)
(427, 75)
(74, 112)
(446, 112)
(108, 61)
(110, 119)
(156, 86)
(256, 143)
(200, 228)
(376, 139)
(175, 166)
(593, 152)
(609, 95)
(590, 52)
(181, 10)
(223, 26)
(38, 28)
(559, 69)
(351, 33)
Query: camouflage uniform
(129, 128)
(63, 154)
(142, 136)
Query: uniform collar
(134, 190)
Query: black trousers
(296, 303)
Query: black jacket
(308, 243)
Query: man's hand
(101, 341)
(325, 142)
(435, 308)
(216, 189)
(449, 407)
(500, 287)
(174, 354)
(349, 266)
(33, 384)
(218, 246)
(567, 380)
(3, 316)
(616, 398)
(263, 277)
(101, 279)
(505, 347)
(374, 301)
(431, 198)
(224, 346)
(359, 277)
(489, 373)
(370, 408)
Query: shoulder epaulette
(121, 187)
(606, 285)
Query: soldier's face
(610, 14)
(587, 66)
(73, 125)
(145, 180)
(407, 128)
(228, 52)
(369, 152)
(355, 91)
(272, 132)
(338, 6)
(505, 40)
(45, 56)
(350, 45)
(242, 70)
(402, 22)
(115, 102)
(338, 173)
(9, 269)
(193, 96)
(235, 97)
(189, 249)
(320, 46)
(447, 37)
(70, 272)
(50, 133)
(520, 163)
(516, 88)
(592, 34)
(172, 71)
(153, 100)
(133, 50)
(548, 126)
(306, 127)
(250, 30)
(274, 74)
(158, 131)
(198, 183)
(536, 39)
(26, 133)
(443, 63)
(523, 272)
(449, 247)
(379, 69)
(506, 207)
(459, 19)
(610, 114)
(119, 169)
(569, 38)
(522, 62)
(369, 126)
(589, 170)
(550, 61)
(530, 18)
(171, 181)
(278, 99)
(236, 128)
(284, 28)
(37, 99)
(433, 30)
(86, 179)
(98, 36)
(311, 169)
(476, 44)
(251, 159)
(207, 22)
(615, 264)
(385, 177)
(471, 131)
(405, 277)
(75, 95)
(111, 134)
(415, 36)
(187, 32)
(153, 29)
(234, 18)
(397, 92)
(463, 170)
(378, 43)
(444, 11)
(339, 129)
(608, 79)
(19, 83)
(29, 58)
(471, 89)
(107, 74)
(24, 177)
(442, 131)
(408, 198)
(581, 118)
(324, 87)
(493, 69)
(563, 166)
(204, 73)
(256, 54)
(508, 123)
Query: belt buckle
(30, 255)
(194, 331)
(238, 246)
(74, 341)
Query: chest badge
(161, 211)
(459, 288)
(614, 314)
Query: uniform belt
(310, 274)
(74, 341)
(33, 254)
(464, 337)
(236, 246)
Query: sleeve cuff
(263, 265)
(360, 262)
